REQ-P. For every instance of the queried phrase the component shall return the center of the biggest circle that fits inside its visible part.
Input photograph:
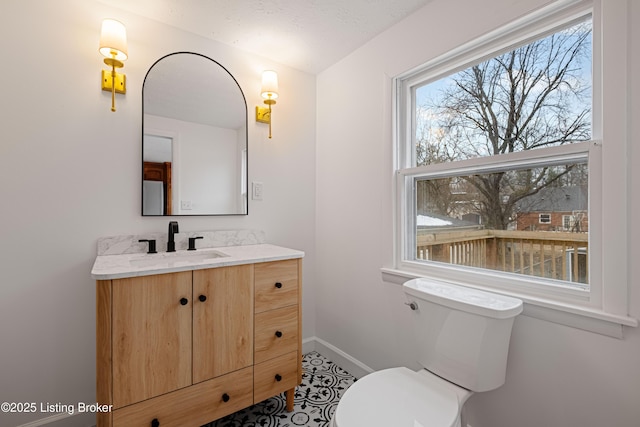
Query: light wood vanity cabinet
(222, 323)
(151, 336)
(186, 348)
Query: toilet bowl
(463, 338)
(399, 397)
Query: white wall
(207, 168)
(70, 173)
(557, 375)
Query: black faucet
(173, 228)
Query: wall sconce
(113, 46)
(269, 92)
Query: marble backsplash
(128, 244)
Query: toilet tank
(463, 333)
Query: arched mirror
(194, 138)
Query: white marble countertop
(141, 264)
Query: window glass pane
(538, 95)
(531, 222)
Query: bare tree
(531, 97)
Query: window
(487, 178)
(475, 169)
(567, 222)
(499, 156)
(484, 214)
(544, 219)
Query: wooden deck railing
(555, 255)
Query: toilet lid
(398, 397)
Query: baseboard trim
(63, 420)
(46, 420)
(339, 357)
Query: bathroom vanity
(186, 338)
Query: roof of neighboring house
(432, 221)
(556, 199)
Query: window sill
(584, 318)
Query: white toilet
(463, 339)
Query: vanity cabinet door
(223, 321)
(151, 337)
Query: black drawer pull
(155, 423)
(225, 397)
(279, 334)
(184, 301)
(278, 377)
(278, 285)
(202, 298)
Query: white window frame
(544, 218)
(530, 286)
(603, 308)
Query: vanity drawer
(276, 284)
(199, 403)
(276, 333)
(275, 376)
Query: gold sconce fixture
(113, 46)
(269, 92)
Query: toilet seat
(400, 397)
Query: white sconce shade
(269, 92)
(269, 85)
(113, 46)
(113, 40)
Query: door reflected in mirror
(194, 139)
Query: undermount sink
(175, 258)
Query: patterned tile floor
(323, 383)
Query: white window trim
(526, 285)
(547, 218)
(603, 309)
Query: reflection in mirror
(194, 138)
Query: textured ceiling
(309, 35)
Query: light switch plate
(256, 190)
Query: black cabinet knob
(278, 377)
(184, 301)
(279, 334)
(202, 298)
(225, 397)
(155, 423)
(278, 285)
